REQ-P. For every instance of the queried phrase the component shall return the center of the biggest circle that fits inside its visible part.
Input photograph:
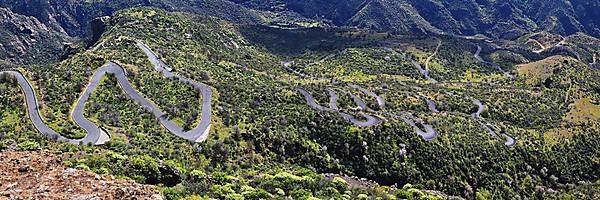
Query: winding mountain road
(429, 134)
(380, 101)
(437, 49)
(480, 108)
(494, 130)
(431, 105)
(497, 66)
(425, 131)
(97, 135)
(423, 71)
(198, 134)
(542, 47)
(370, 120)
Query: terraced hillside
(419, 116)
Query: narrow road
(370, 120)
(498, 67)
(480, 108)
(96, 136)
(359, 102)
(494, 130)
(425, 131)
(286, 65)
(198, 134)
(431, 106)
(423, 71)
(380, 101)
(429, 134)
(437, 49)
(542, 47)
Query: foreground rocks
(41, 175)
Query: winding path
(431, 105)
(542, 47)
(370, 120)
(429, 134)
(425, 131)
(494, 130)
(423, 71)
(480, 108)
(497, 66)
(380, 101)
(437, 49)
(198, 134)
(97, 135)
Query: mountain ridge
(452, 113)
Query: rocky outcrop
(97, 27)
(41, 175)
(27, 40)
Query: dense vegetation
(267, 143)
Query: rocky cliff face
(26, 39)
(503, 19)
(40, 175)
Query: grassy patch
(536, 73)
(583, 111)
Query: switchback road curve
(97, 135)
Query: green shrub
(340, 184)
(82, 166)
(362, 196)
(28, 146)
(483, 194)
(300, 194)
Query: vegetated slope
(200, 48)
(268, 143)
(65, 19)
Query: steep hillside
(412, 112)
(73, 17)
(56, 22)
(504, 19)
(498, 19)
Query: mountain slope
(504, 19)
(498, 19)
(27, 39)
(486, 132)
(73, 17)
